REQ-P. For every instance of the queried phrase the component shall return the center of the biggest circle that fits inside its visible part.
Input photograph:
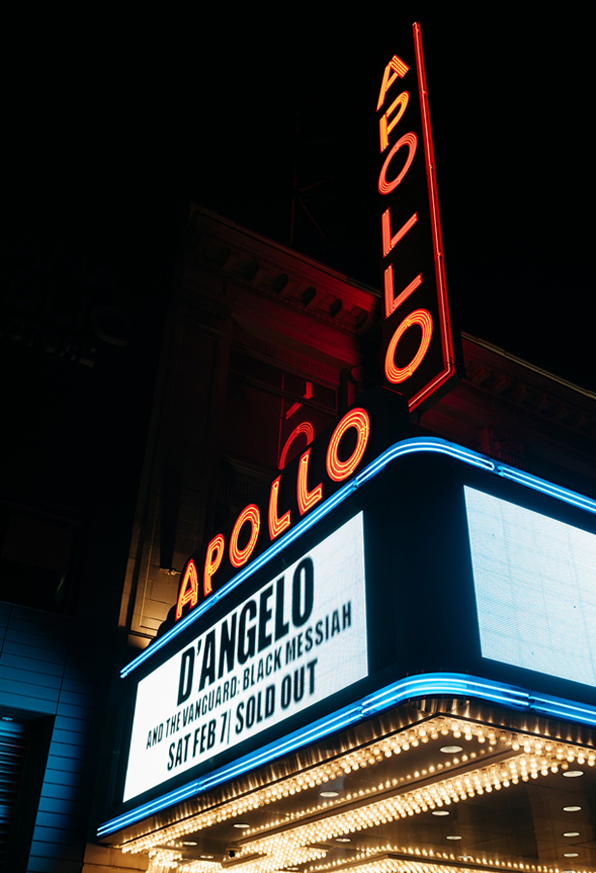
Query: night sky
(242, 119)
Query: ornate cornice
(278, 272)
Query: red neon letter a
(394, 69)
(189, 590)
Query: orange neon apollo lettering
(304, 427)
(394, 69)
(386, 126)
(407, 154)
(411, 141)
(395, 374)
(306, 499)
(215, 551)
(392, 303)
(276, 525)
(249, 514)
(399, 374)
(189, 590)
(340, 470)
(330, 461)
(389, 242)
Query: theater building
(294, 577)
(359, 637)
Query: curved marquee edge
(397, 450)
(425, 685)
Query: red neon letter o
(306, 428)
(340, 470)
(250, 513)
(394, 374)
(411, 141)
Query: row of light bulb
(373, 860)
(539, 755)
(320, 774)
(265, 864)
(382, 864)
(436, 795)
(161, 860)
(371, 854)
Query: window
(36, 561)
(271, 414)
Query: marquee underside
(435, 784)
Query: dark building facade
(81, 326)
(260, 350)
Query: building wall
(81, 325)
(53, 677)
(251, 311)
(255, 331)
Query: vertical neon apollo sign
(419, 354)
(418, 347)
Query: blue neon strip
(330, 724)
(426, 685)
(549, 488)
(406, 447)
(266, 556)
(397, 450)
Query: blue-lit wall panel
(535, 583)
(43, 666)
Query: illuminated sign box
(535, 585)
(432, 571)
(421, 351)
(293, 500)
(296, 641)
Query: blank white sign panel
(535, 582)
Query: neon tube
(414, 445)
(425, 685)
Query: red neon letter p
(215, 551)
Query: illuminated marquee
(432, 571)
(535, 587)
(331, 460)
(297, 640)
(419, 355)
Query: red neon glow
(444, 318)
(296, 406)
(394, 374)
(189, 590)
(389, 242)
(409, 139)
(392, 302)
(215, 551)
(306, 499)
(386, 126)
(304, 427)
(339, 470)
(396, 68)
(250, 513)
(276, 525)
